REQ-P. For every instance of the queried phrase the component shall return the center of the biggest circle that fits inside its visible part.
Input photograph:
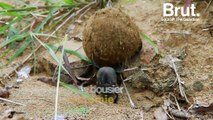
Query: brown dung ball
(110, 37)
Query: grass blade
(151, 42)
(14, 38)
(77, 54)
(20, 51)
(29, 40)
(6, 6)
(15, 20)
(58, 82)
(69, 2)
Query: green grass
(72, 52)
(25, 14)
(151, 42)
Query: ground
(194, 49)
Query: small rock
(19, 81)
(210, 76)
(147, 105)
(160, 114)
(149, 94)
(204, 77)
(198, 86)
(209, 61)
(140, 80)
(24, 72)
(4, 93)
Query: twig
(130, 69)
(127, 92)
(10, 101)
(84, 12)
(182, 92)
(167, 113)
(184, 32)
(208, 28)
(127, 79)
(82, 78)
(177, 104)
(208, 5)
(73, 68)
(138, 68)
(6, 75)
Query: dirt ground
(194, 49)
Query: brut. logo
(169, 10)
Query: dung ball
(111, 37)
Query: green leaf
(151, 42)
(14, 38)
(77, 54)
(6, 6)
(69, 1)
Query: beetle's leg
(116, 98)
(87, 72)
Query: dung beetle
(106, 83)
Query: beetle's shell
(110, 37)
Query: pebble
(198, 86)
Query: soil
(149, 89)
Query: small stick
(6, 75)
(209, 28)
(179, 32)
(178, 106)
(127, 79)
(182, 92)
(167, 113)
(73, 68)
(208, 5)
(81, 16)
(127, 92)
(130, 69)
(10, 101)
(82, 78)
